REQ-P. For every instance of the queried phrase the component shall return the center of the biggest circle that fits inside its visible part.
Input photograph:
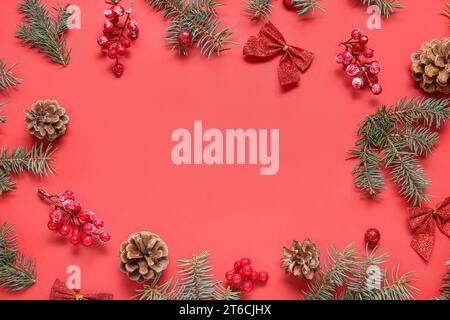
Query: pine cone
(143, 256)
(302, 259)
(431, 66)
(46, 120)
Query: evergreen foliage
(257, 9)
(16, 271)
(397, 137)
(445, 287)
(305, 6)
(347, 276)
(38, 160)
(7, 77)
(198, 16)
(387, 7)
(194, 282)
(44, 30)
(2, 117)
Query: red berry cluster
(68, 217)
(362, 72)
(243, 275)
(117, 36)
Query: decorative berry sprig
(362, 72)
(69, 218)
(117, 35)
(243, 276)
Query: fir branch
(6, 184)
(399, 288)
(400, 134)
(2, 117)
(169, 290)
(44, 30)
(198, 16)
(445, 287)
(305, 6)
(16, 271)
(387, 7)
(7, 78)
(446, 12)
(257, 9)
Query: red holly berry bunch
(243, 276)
(119, 30)
(363, 73)
(68, 217)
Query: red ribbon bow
(270, 42)
(61, 292)
(421, 220)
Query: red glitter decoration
(61, 292)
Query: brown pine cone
(302, 259)
(431, 66)
(46, 120)
(143, 256)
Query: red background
(116, 153)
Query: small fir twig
(446, 12)
(44, 30)
(257, 9)
(16, 271)
(397, 137)
(387, 7)
(304, 6)
(38, 160)
(7, 78)
(445, 287)
(194, 282)
(2, 117)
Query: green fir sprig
(2, 117)
(200, 18)
(258, 9)
(7, 78)
(446, 12)
(387, 7)
(305, 6)
(194, 282)
(38, 160)
(346, 275)
(445, 287)
(44, 30)
(16, 271)
(395, 138)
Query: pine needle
(2, 117)
(397, 137)
(305, 6)
(387, 7)
(445, 287)
(16, 271)
(446, 12)
(198, 16)
(257, 9)
(7, 78)
(44, 30)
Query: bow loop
(422, 222)
(270, 42)
(60, 291)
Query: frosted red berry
(376, 89)
(118, 10)
(88, 228)
(368, 53)
(55, 215)
(121, 50)
(126, 42)
(356, 33)
(52, 225)
(372, 236)
(67, 194)
(72, 205)
(118, 69)
(358, 82)
(108, 27)
(104, 236)
(109, 14)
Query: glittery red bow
(269, 43)
(61, 292)
(421, 220)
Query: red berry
(229, 275)
(237, 278)
(374, 67)
(372, 236)
(108, 27)
(132, 25)
(357, 47)
(118, 69)
(133, 34)
(118, 10)
(86, 240)
(289, 4)
(55, 215)
(121, 50)
(247, 270)
(376, 90)
(245, 262)
(75, 239)
(64, 230)
(98, 223)
(104, 236)
(72, 205)
(102, 42)
(52, 225)
(125, 42)
(86, 215)
(358, 82)
(88, 228)
(109, 14)
(68, 194)
(263, 276)
(254, 276)
(339, 58)
(185, 37)
(356, 33)
(247, 286)
(368, 53)
(237, 266)
(363, 39)
(112, 53)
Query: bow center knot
(79, 296)
(286, 47)
(435, 211)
